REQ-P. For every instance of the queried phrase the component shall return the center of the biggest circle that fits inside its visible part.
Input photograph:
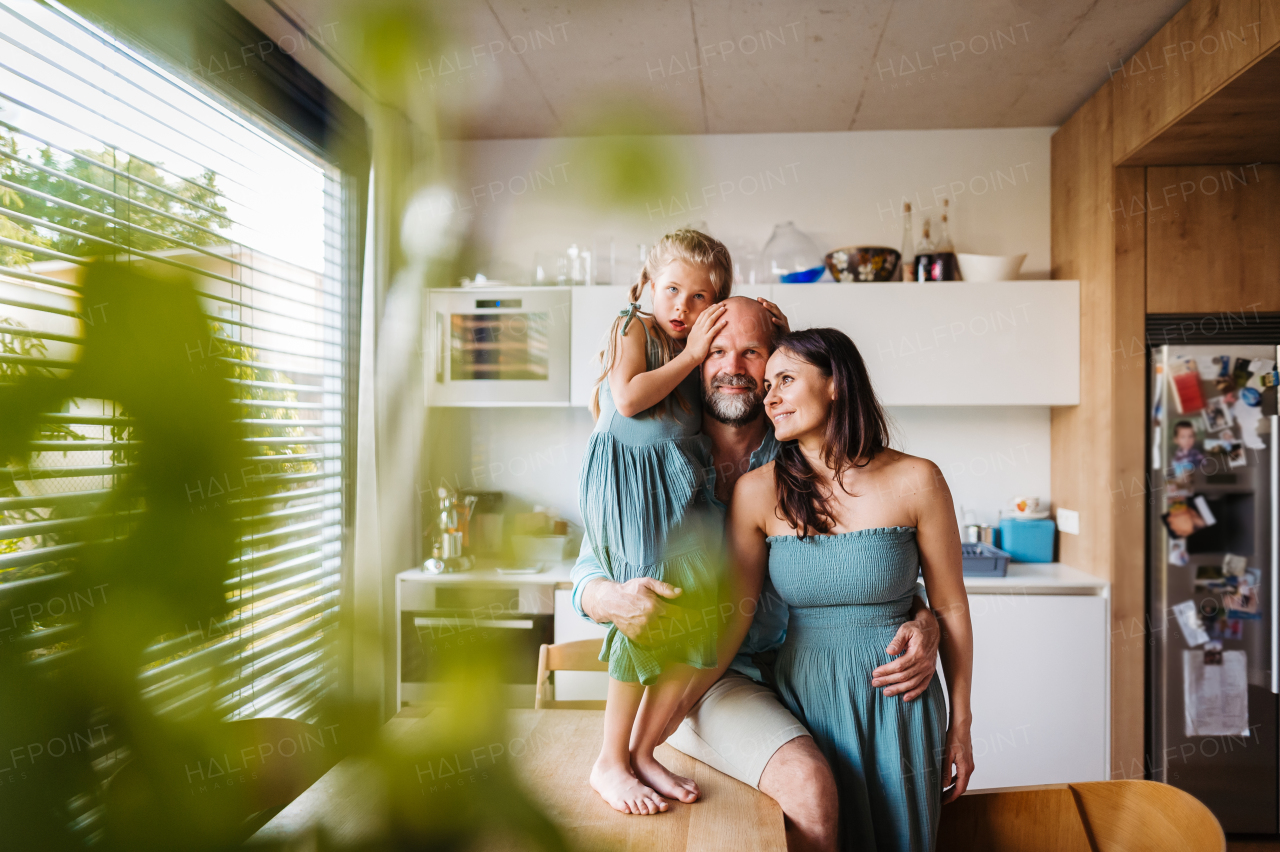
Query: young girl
(640, 478)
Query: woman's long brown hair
(857, 430)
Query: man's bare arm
(910, 674)
(634, 607)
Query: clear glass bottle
(906, 264)
(791, 257)
(923, 263)
(945, 267)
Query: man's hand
(910, 674)
(634, 607)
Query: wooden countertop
(349, 802)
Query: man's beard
(737, 409)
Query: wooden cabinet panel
(1240, 123)
(1200, 49)
(1211, 239)
(1082, 247)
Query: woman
(844, 525)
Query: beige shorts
(736, 728)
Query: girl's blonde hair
(694, 248)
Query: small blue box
(1027, 541)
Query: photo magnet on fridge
(1213, 368)
(1230, 446)
(1188, 516)
(1185, 381)
(1209, 578)
(1234, 565)
(1189, 620)
(1186, 455)
(1243, 604)
(1217, 414)
(1241, 373)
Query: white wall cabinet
(946, 343)
(1040, 689)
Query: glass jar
(791, 257)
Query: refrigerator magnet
(1217, 414)
(1189, 620)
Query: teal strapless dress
(847, 595)
(641, 497)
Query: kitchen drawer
(486, 598)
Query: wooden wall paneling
(1082, 247)
(1129, 481)
(1199, 50)
(1270, 24)
(1211, 239)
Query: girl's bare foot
(618, 786)
(666, 782)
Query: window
(106, 152)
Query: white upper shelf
(936, 344)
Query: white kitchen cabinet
(593, 312)
(1040, 687)
(570, 627)
(945, 343)
(954, 343)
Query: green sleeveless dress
(643, 509)
(847, 595)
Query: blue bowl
(804, 276)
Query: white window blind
(106, 153)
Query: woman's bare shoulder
(759, 478)
(755, 486)
(899, 463)
(915, 478)
(754, 497)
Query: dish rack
(983, 560)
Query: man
(733, 720)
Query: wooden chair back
(580, 656)
(1143, 816)
(1099, 816)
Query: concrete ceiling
(534, 68)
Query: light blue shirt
(768, 628)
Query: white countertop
(1038, 578)
(555, 574)
(1024, 578)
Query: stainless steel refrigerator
(1214, 572)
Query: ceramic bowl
(990, 267)
(863, 264)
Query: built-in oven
(498, 346)
(451, 622)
